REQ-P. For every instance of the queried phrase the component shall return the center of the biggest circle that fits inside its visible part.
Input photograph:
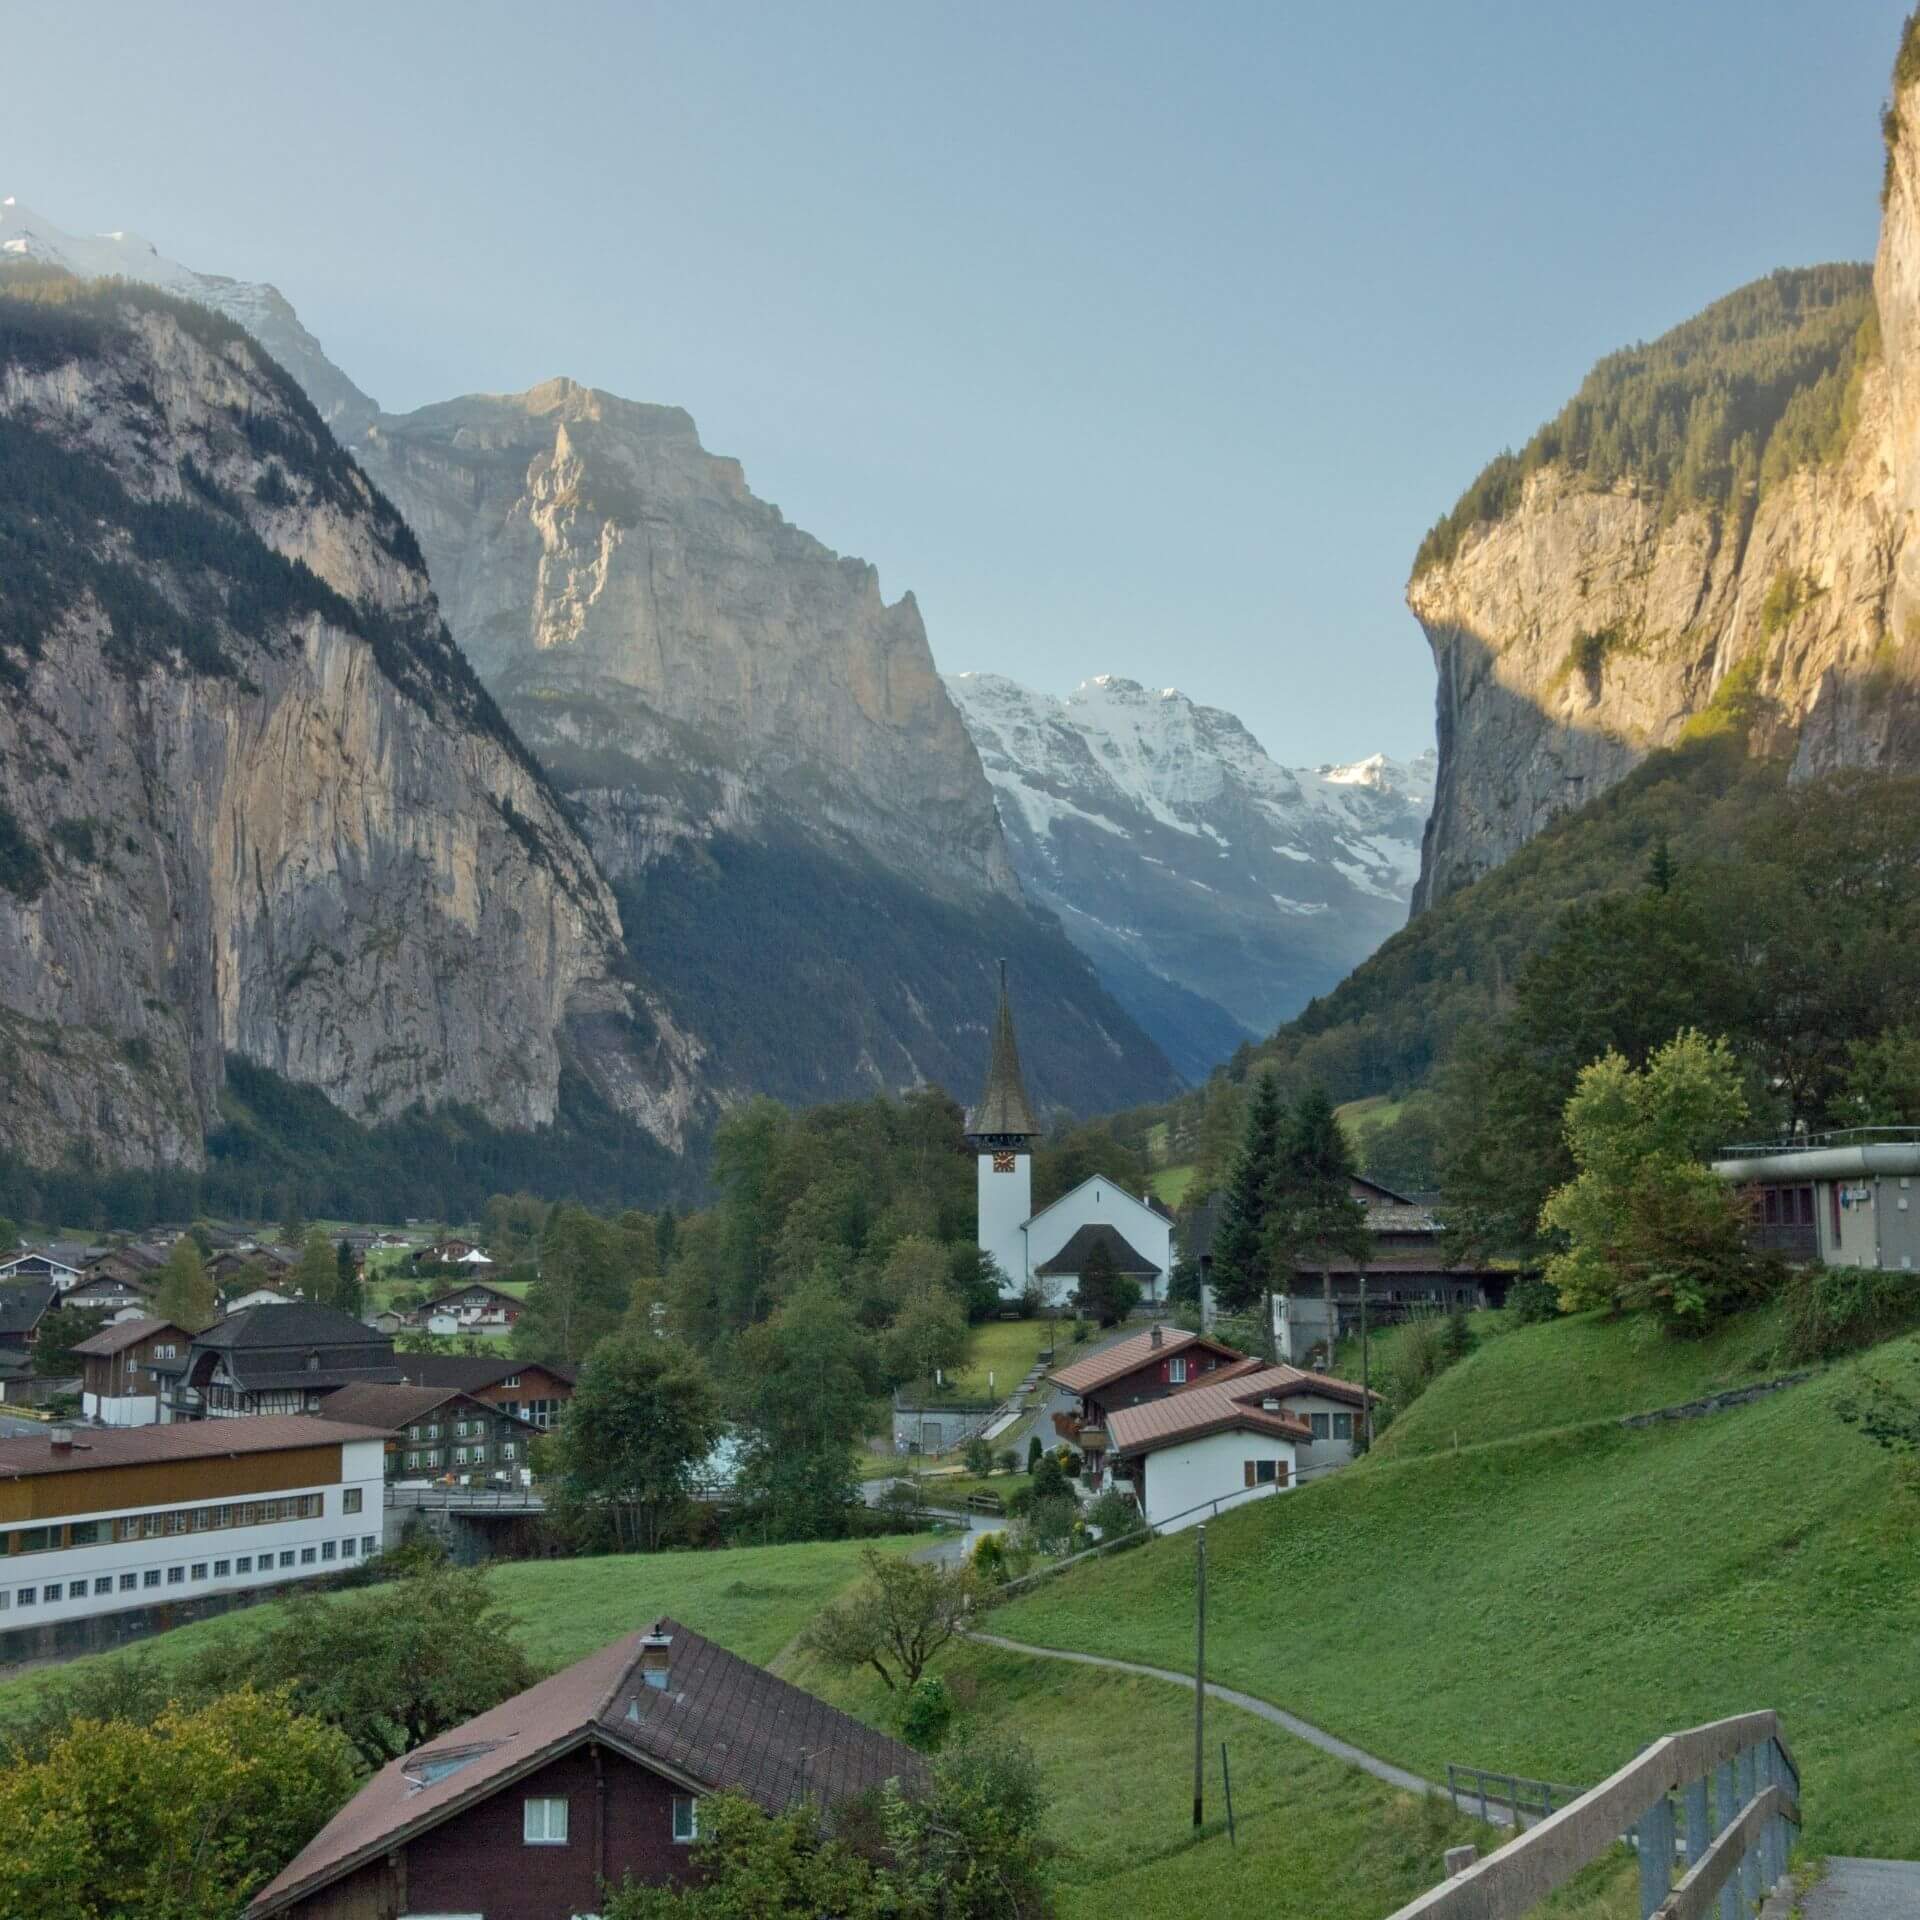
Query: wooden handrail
(1635, 1799)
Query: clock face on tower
(1003, 1163)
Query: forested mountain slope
(1732, 502)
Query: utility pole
(1366, 1396)
(1199, 1674)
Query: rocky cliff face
(633, 604)
(252, 800)
(1214, 891)
(1586, 628)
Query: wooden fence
(1739, 1793)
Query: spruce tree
(1312, 1215)
(1239, 1264)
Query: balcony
(1822, 1142)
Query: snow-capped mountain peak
(1177, 851)
(256, 305)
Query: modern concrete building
(1849, 1198)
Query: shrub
(1034, 1451)
(1530, 1300)
(1114, 1515)
(1835, 1310)
(1419, 1358)
(926, 1713)
(979, 1456)
(1007, 1460)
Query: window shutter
(1249, 1467)
(1283, 1474)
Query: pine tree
(1239, 1263)
(1660, 868)
(1312, 1215)
(346, 1280)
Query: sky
(1141, 339)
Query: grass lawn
(1585, 1367)
(1316, 1840)
(752, 1600)
(1170, 1184)
(949, 1489)
(1375, 1110)
(1549, 1603)
(1005, 1348)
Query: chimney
(656, 1658)
(62, 1438)
(1153, 1339)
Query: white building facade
(1186, 1482)
(114, 1520)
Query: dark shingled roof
(468, 1373)
(1003, 1108)
(367, 1403)
(719, 1722)
(1073, 1257)
(294, 1323)
(22, 1302)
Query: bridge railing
(1527, 1800)
(1739, 1794)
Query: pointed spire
(1003, 1112)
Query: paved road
(1865, 1890)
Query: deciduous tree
(185, 1295)
(896, 1620)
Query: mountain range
(1215, 891)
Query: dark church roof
(1073, 1257)
(1003, 1109)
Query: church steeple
(1003, 1114)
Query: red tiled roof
(95, 1447)
(720, 1722)
(1194, 1414)
(117, 1336)
(1085, 1376)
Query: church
(1044, 1252)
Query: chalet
(532, 1810)
(535, 1390)
(111, 1519)
(60, 1264)
(452, 1253)
(118, 1384)
(1844, 1199)
(437, 1431)
(1406, 1272)
(1213, 1444)
(110, 1294)
(1130, 1373)
(272, 1359)
(23, 1305)
(256, 1296)
(1335, 1411)
(476, 1304)
(136, 1263)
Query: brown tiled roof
(95, 1447)
(1196, 1413)
(1073, 1257)
(720, 1722)
(121, 1334)
(1086, 1376)
(1254, 1377)
(366, 1403)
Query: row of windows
(542, 1413)
(243, 1566)
(177, 1520)
(462, 1430)
(475, 1455)
(543, 1820)
(1331, 1426)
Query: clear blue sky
(1144, 339)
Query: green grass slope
(1588, 1367)
(1548, 1603)
(1315, 1839)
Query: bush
(1115, 1515)
(1007, 1460)
(1419, 1358)
(1835, 1310)
(1530, 1301)
(926, 1713)
(1080, 1330)
(979, 1456)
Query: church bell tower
(1001, 1132)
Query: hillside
(1213, 890)
(1729, 505)
(254, 803)
(1561, 1595)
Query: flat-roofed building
(1849, 1198)
(97, 1520)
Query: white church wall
(1101, 1202)
(1005, 1200)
